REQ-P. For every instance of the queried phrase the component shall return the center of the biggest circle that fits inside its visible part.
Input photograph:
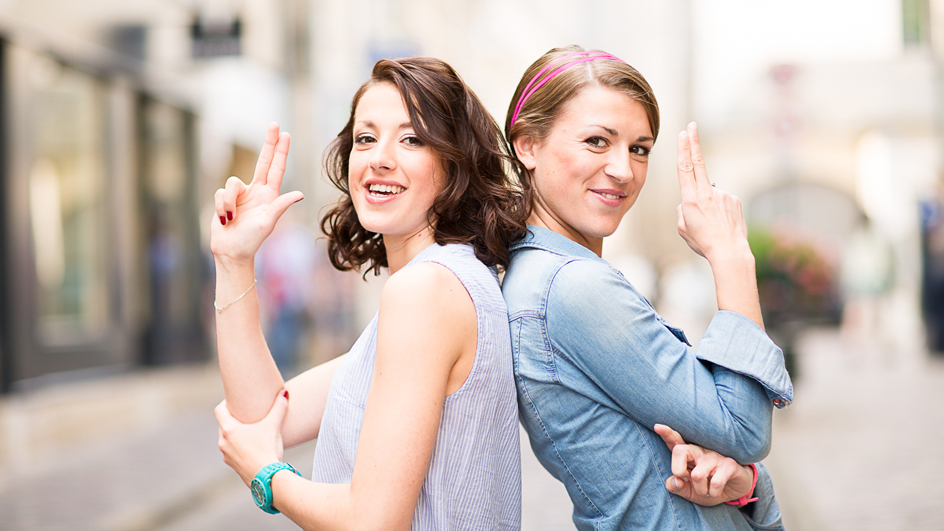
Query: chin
(371, 221)
(603, 228)
(375, 226)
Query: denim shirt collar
(548, 240)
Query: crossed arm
(425, 326)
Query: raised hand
(709, 220)
(712, 224)
(246, 215)
(703, 476)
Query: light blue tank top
(474, 476)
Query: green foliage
(796, 282)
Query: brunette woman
(416, 425)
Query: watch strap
(261, 485)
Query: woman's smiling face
(393, 177)
(591, 167)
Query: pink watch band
(744, 500)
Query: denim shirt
(596, 367)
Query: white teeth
(609, 196)
(386, 188)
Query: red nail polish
(285, 394)
(229, 215)
(223, 220)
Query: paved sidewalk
(120, 452)
(138, 452)
(861, 447)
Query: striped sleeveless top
(474, 475)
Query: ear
(525, 147)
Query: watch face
(258, 492)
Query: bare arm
(309, 392)
(426, 326)
(245, 216)
(712, 224)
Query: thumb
(282, 202)
(673, 485)
(678, 487)
(279, 409)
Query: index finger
(685, 167)
(698, 162)
(266, 154)
(669, 436)
(277, 168)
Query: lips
(384, 190)
(610, 196)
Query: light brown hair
(542, 109)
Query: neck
(544, 218)
(402, 249)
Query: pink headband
(526, 93)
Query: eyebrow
(614, 132)
(368, 123)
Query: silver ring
(712, 184)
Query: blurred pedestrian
(867, 274)
(597, 369)
(417, 424)
(285, 267)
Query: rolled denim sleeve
(600, 324)
(763, 514)
(736, 343)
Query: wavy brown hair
(479, 204)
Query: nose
(619, 166)
(383, 157)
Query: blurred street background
(120, 118)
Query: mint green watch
(261, 486)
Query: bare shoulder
(428, 297)
(427, 283)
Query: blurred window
(173, 259)
(215, 38)
(67, 178)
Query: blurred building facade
(830, 128)
(108, 158)
(99, 263)
(120, 119)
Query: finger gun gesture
(246, 214)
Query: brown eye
(597, 142)
(413, 141)
(640, 151)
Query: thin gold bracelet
(220, 310)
